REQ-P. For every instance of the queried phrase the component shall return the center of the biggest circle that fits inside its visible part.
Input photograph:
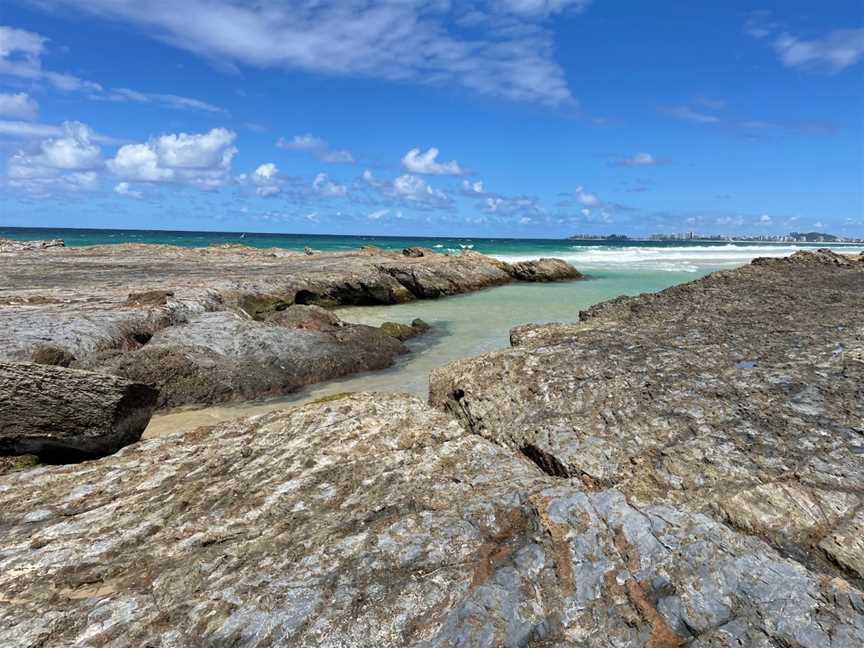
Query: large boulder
(221, 356)
(375, 521)
(64, 415)
(544, 270)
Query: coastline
(681, 467)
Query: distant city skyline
(519, 118)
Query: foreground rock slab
(377, 521)
(63, 415)
(740, 395)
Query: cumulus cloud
(265, 179)
(638, 159)
(765, 219)
(585, 198)
(317, 147)
(202, 160)
(475, 188)
(427, 163)
(833, 53)
(518, 206)
(410, 190)
(323, 186)
(508, 51)
(18, 106)
(68, 161)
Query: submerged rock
(64, 415)
(375, 521)
(405, 332)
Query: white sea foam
(693, 258)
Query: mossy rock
(399, 331)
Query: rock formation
(375, 521)
(679, 469)
(220, 323)
(66, 415)
(738, 395)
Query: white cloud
(409, 189)
(167, 100)
(544, 7)
(18, 106)
(426, 163)
(326, 187)
(68, 162)
(124, 189)
(638, 159)
(202, 160)
(508, 51)
(317, 147)
(21, 56)
(834, 52)
(32, 130)
(473, 188)
(379, 214)
(586, 199)
(765, 219)
(265, 179)
(688, 114)
(518, 206)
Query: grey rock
(737, 395)
(64, 415)
(376, 521)
(221, 356)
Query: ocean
(464, 325)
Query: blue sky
(527, 118)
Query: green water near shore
(463, 326)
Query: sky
(516, 118)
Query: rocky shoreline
(677, 469)
(226, 323)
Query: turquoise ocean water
(464, 325)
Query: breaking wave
(694, 258)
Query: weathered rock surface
(222, 356)
(64, 415)
(740, 395)
(376, 521)
(545, 270)
(94, 306)
(405, 332)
